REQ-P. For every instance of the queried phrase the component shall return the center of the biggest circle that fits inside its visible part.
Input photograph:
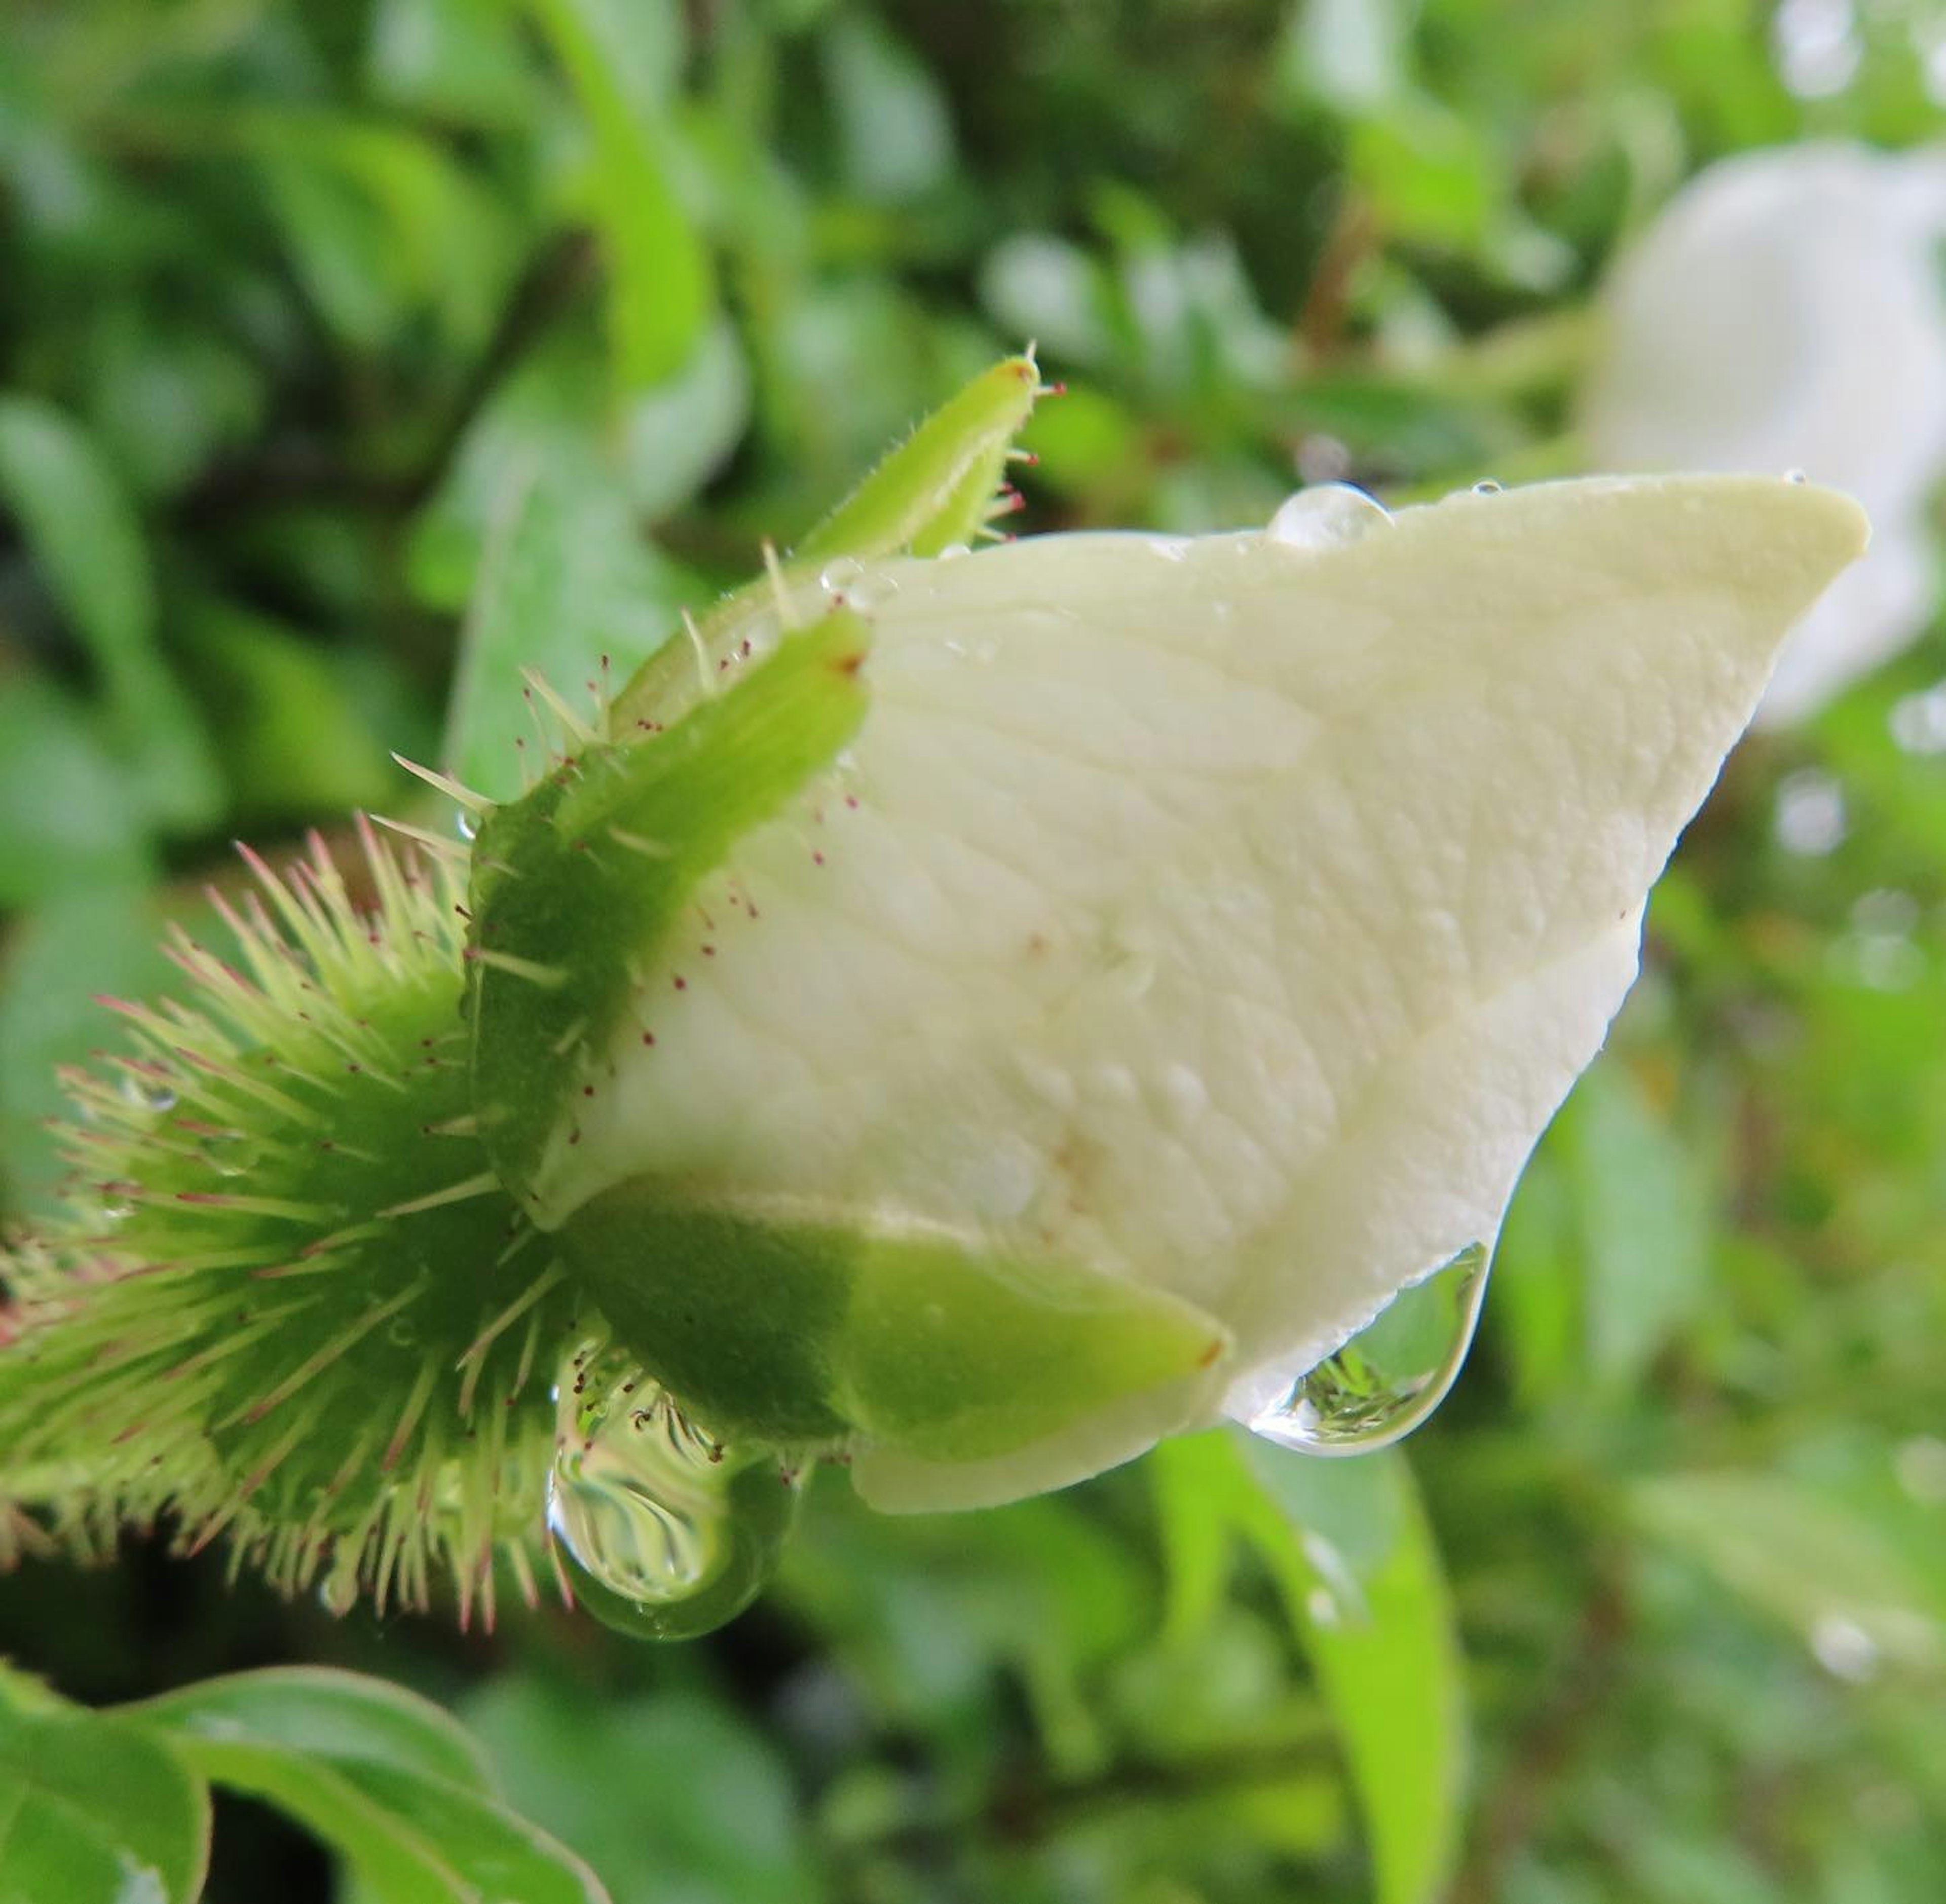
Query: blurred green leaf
(462, 59)
(556, 416)
(380, 221)
(661, 290)
(894, 133)
(87, 539)
(1644, 1195)
(99, 938)
(1819, 1565)
(68, 813)
(1349, 1547)
(567, 579)
(297, 745)
(711, 1817)
(91, 1812)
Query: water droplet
(663, 1533)
(465, 825)
(840, 574)
(1391, 1375)
(1488, 486)
(1795, 476)
(150, 1097)
(1327, 516)
(952, 552)
(231, 1154)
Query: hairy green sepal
(575, 886)
(804, 1332)
(937, 490)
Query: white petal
(1785, 311)
(1228, 916)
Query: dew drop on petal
(840, 575)
(1392, 1374)
(1327, 516)
(1488, 486)
(663, 1535)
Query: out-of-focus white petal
(1788, 311)
(1225, 915)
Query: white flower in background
(1181, 957)
(1787, 311)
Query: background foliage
(338, 340)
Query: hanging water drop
(1327, 515)
(465, 825)
(1393, 1374)
(663, 1533)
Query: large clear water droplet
(1327, 515)
(663, 1535)
(1391, 1375)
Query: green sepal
(936, 490)
(796, 1332)
(575, 886)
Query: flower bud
(998, 1011)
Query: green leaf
(81, 525)
(1816, 1562)
(895, 135)
(381, 1776)
(91, 1811)
(1349, 1547)
(711, 1816)
(96, 938)
(1645, 1206)
(661, 287)
(380, 221)
(553, 423)
(297, 743)
(459, 59)
(567, 577)
(333, 1715)
(66, 816)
